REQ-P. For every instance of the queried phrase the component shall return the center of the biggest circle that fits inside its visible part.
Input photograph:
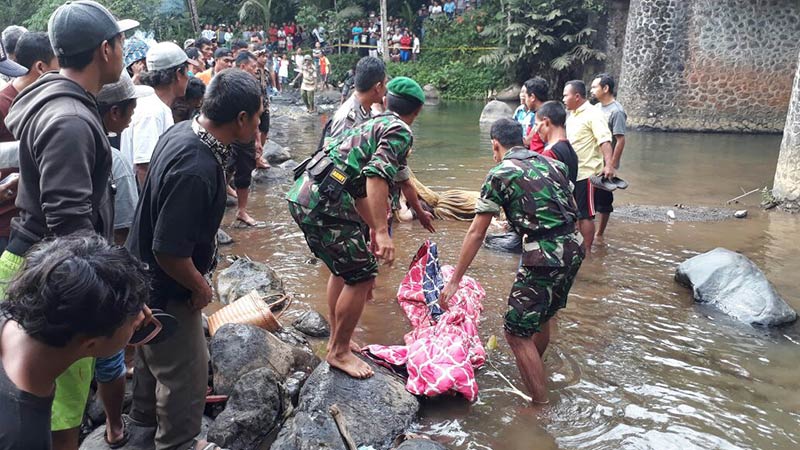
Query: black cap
(222, 52)
(82, 25)
(8, 67)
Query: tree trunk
(192, 4)
(384, 37)
(787, 175)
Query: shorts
(72, 392)
(603, 201)
(10, 264)
(340, 244)
(109, 369)
(241, 163)
(536, 295)
(584, 197)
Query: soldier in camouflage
(536, 196)
(344, 190)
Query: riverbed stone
(376, 411)
(223, 238)
(420, 444)
(280, 174)
(254, 409)
(275, 153)
(245, 275)
(494, 110)
(509, 94)
(736, 286)
(237, 349)
(509, 242)
(141, 438)
(313, 324)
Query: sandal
(126, 435)
(619, 183)
(605, 184)
(241, 223)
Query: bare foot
(354, 347)
(261, 163)
(232, 192)
(350, 364)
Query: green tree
(542, 37)
(256, 8)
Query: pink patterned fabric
(440, 356)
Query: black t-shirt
(180, 209)
(563, 151)
(24, 417)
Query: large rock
(736, 286)
(254, 409)
(504, 242)
(141, 438)
(328, 97)
(494, 110)
(275, 154)
(237, 349)
(223, 238)
(509, 94)
(376, 410)
(243, 276)
(279, 174)
(312, 323)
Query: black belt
(560, 230)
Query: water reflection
(634, 362)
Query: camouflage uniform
(537, 199)
(333, 228)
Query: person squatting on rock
(174, 233)
(588, 133)
(65, 164)
(603, 93)
(534, 192)
(344, 190)
(77, 297)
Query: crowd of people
(124, 154)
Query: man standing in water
(534, 193)
(603, 92)
(588, 133)
(345, 189)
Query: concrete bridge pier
(786, 187)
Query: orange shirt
(205, 76)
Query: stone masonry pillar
(787, 175)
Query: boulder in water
(494, 110)
(509, 242)
(509, 94)
(223, 238)
(376, 410)
(245, 275)
(312, 323)
(735, 285)
(254, 409)
(275, 154)
(141, 438)
(237, 349)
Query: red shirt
(273, 34)
(405, 42)
(7, 96)
(537, 144)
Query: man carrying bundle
(345, 189)
(535, 194)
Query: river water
(635, 364)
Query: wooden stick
(341, 424)
(743, 195)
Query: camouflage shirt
(536, 197)
(376, 148)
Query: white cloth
(208, 34)
(126, 196)
(151, 119)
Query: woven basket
(250, 309)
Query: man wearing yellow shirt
(587, 131)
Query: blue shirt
(525, 118)
(450, 7)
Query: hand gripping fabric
(443, 350)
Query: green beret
(406, 87)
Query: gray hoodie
(64, 163)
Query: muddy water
(635, 363)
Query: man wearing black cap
(65, 164)
(223, 59)
(8, 39)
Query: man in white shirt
(167, 74)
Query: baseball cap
(122, 90)
(165, 55)
(82, 25)
(134, 50)
(8, 67)
(221, 53)
(188, 43)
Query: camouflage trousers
(340, 244)
(536, 295)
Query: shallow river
(635, 364)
